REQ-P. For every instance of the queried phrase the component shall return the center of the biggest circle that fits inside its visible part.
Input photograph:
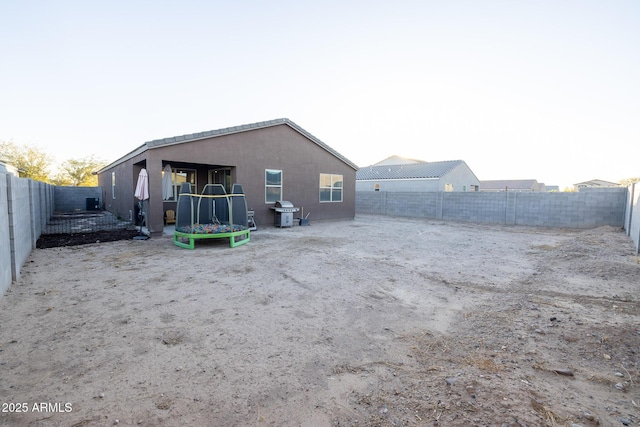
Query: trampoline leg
(190, 245)
(245, 238)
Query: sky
(545, 89)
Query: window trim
(331, 187)
(267, 186)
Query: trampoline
(213, 214)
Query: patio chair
(170, 217)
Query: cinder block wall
(489, 208)
(632, 215)
(35, 207)
(5, 241)
(69, 199)
(588, 208)
(20, 219)
(25, 208)
(42, 199)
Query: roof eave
(141, 149)
(182, 139)
(399, 179)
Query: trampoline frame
(244, 235)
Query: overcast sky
(518, 89)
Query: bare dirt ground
(373, 322)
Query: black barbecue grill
(283, 213)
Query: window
(272, 185)
(330, 188)
(448, 187)
(179, 176)
(113, 185)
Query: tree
(31, 161)
(61, 179)
(79, 172)
(628, 181)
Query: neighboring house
(552, 188)
(512, 185)
(397, 160)
(453, 175)
(9, 169)
(595, 183)
(273, 160)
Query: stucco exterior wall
(461, 178)
(248, 154)
(399, 185)
(119, 199)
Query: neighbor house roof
(509, 184)
(596, 183)
(397, 160)
(181, 139)
(423, 170)
(9, 168)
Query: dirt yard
(373, 322)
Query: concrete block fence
(632, 215)
(5, 238)
(69, 199)
(588, 208)
(25, 208)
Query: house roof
(9, 168)
(397, 160)
(511, 184)
(181, 139)
(423, 170)
(597, 183)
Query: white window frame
(268, 186)
(113, 185)
(333, 179)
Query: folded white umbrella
(142, 187)
(142, 193)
